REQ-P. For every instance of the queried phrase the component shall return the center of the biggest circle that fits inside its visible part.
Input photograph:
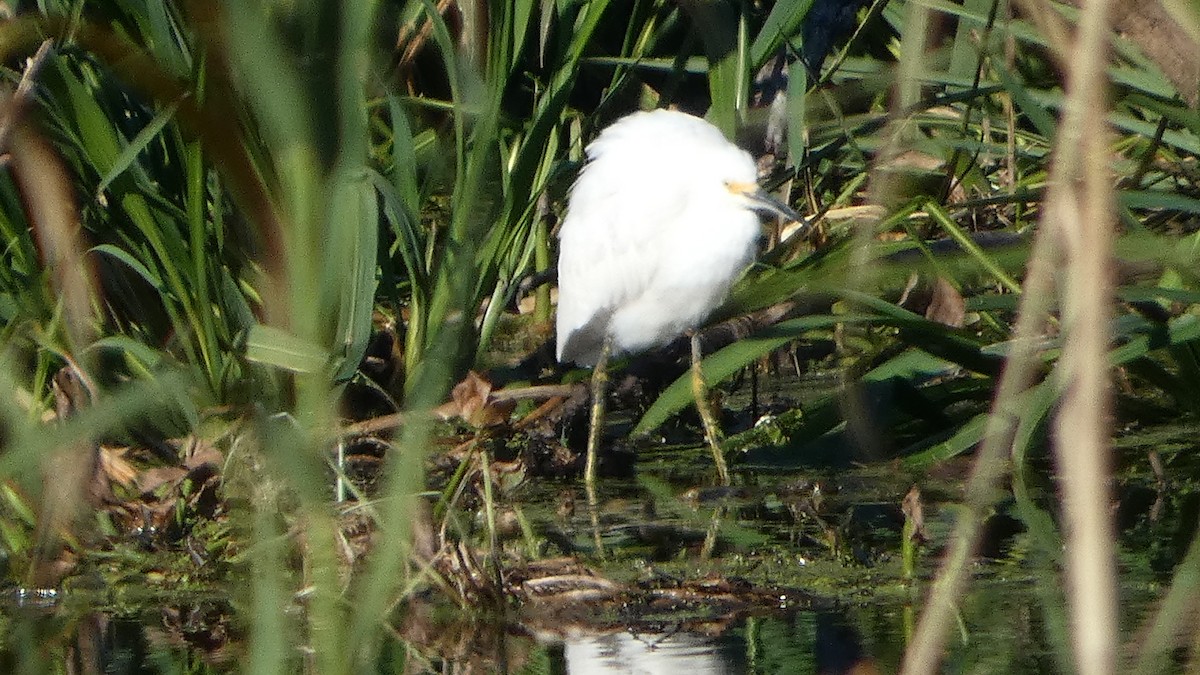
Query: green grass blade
(727, 361)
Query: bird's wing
(613, 241)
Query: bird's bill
(761, 201)
(766, 202)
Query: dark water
(866, 638)
(829, 535)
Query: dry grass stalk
(1079, 219)
(49, 200)
(991, 461)
(1080, 203)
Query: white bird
(660, 223)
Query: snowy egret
(660, 223)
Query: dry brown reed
(1076, 230)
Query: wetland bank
(276, 307)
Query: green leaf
(145, 355)
(354, 218)
(137, 145)
(974, 250)
(729, 360)
(132, 263)
(275, 347)
(781, 24)
(965, 438)
(1157, 199)
(1036, 112)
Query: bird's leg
(595, 427)
(712, 432)
(599, 388)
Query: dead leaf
(947, 306)
(914, 513)
(115, 467)
(471, 400)
(150, 480)
(200, 452)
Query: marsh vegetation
(275, 316)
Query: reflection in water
(648, 653)
(198, 638)
(824, 642)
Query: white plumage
(659, 225)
